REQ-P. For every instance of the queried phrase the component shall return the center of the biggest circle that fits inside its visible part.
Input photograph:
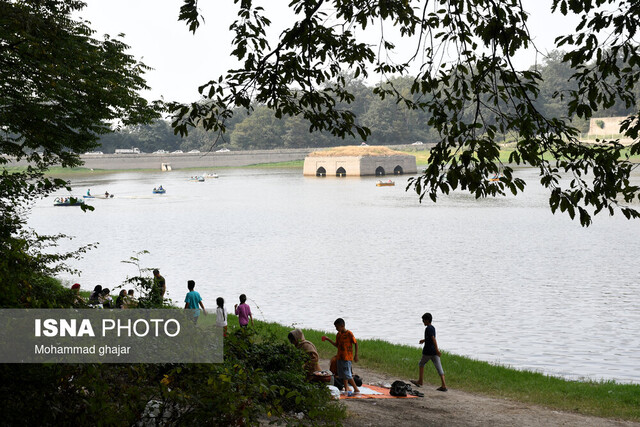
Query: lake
(505, 280)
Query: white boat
(210, 175)
(67, 201)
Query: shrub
(262, 377)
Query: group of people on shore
(193, 301)
(347, 345)
(101, 298)
(345, 342)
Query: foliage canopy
(59, 90)
(471, 96)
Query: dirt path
(455, 408)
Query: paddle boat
(66, 201)
(197, 178)
(159, 190)
(495, 177)
(102, 196)
(388, 183)
(211, 175)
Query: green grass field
(602, 399)
(294, 164)
(422, 157)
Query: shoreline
(602, 399)
(478, 390)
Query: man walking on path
(430, 352)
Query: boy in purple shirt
(243, 311)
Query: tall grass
(603, 399)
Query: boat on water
(159, 190)
(495, 177)
(387, 183)
(211, 175)
(101, 196)
(68, 201)
(198, 178)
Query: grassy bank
(293, 164)
(602, 399)
(422, 157)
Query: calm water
(505, 280)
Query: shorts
(344, 369)
(436, 362)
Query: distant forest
(390, 123)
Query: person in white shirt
(221, 315)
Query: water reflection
(505, 280)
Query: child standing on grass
(243, 311)
(192, 300)
(430, 352)
(345, 341)
(221, 315)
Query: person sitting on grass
(430, 352)
(130, 300)
(296, 337)
(95, 298)
(77, 299)
(107, 301)
(120, 301)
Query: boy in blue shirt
(192, 300)
(430, 352)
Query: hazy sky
(183, 61)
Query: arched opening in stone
(398, 170)
(321, 171)
(380, 171)
(341, 172)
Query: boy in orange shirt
(345, 342)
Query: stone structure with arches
(359, 161)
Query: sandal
(441, 389)
(416, 383)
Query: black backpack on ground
(340, 384)
(400, 388)
(357, 380)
